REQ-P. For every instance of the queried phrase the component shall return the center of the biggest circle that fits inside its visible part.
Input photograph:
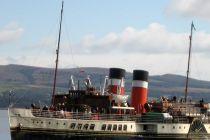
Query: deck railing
(84, 116)
(111, 117)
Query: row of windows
(174, 127)
(73, 125)
(104, 127)
(150, 127)
(114, 127)
(48, 122)
(80, 126)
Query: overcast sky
(131, 34)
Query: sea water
(4, 125)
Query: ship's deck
(151, 117)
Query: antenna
(189, 58)
(57, 57)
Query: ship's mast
(189, 58)
(57, 57)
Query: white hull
(22, 120)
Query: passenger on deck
(33, 106)
(45, 108)
(62, 114)
(174, 99)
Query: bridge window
(92, 126)
(114, 127)
(103, 127)
(120, 127)
(72, 126)
(109, 127)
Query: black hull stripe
(15, 131)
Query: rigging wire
(69, 43)
(17, 100)
(198, 73)
(44, 46)
(80, 70)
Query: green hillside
(34, 84)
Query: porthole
(57, 123)
(173, 127)
(131, 126)
(49, 122)
(41, 122)
(180, 127)
(37, 122)
(163, 126)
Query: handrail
(84, 116)
(111, 117)
(145, 118)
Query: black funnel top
(140, 75)
(117, 73)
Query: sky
(131, 34)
